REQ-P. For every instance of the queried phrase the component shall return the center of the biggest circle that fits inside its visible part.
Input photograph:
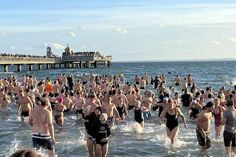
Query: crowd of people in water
(101, 101)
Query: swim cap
(60, 100)
(105, 116)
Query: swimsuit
(42, 141)
(229, 138)
(138, 116)
(25, 113)
(217, 119)
(57, 116)
(172, 121)
(203, 140)
(121, 110)
(79, 111)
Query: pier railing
(28, 60)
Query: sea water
(126, 139)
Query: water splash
(138, 128)
(15, 145)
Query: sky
(128, 30)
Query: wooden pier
(69, 59)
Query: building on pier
(69, 59)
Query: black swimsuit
(25, 113)
(121, 110)
(172, 121)
(138, 115)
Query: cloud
(14, 48)
(57, 46)
(72, 34)
(124, 31)
(216, 43)
(231, 39)
(2, 33)
(161, 25)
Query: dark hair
(51, 94)
(71, 93)
(230, 103)
(43, 102)
(38, 98)
(198, 94)
(25, 153)
(99, 108)
(209, 96)
(209, 104)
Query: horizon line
(177, 60)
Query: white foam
(15, 145)
(128, 127)
(138, 128)
(233, 82)
(69, 145)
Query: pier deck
(69, 59)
